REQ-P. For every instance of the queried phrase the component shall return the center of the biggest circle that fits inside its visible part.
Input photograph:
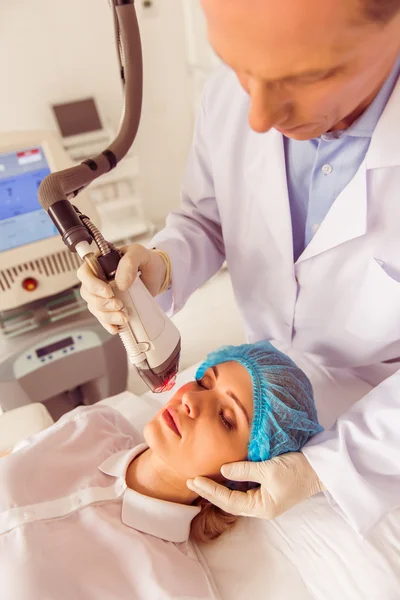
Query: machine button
(144, 346)
(42, 360)
(30, 284)
(72, 348)
(65, 351)
(51, 356)
(29, 356)
(79, 337)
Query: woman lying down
(87, 513)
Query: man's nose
(266, 107)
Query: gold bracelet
(168, 270)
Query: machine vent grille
(28, 317)
(48, 266)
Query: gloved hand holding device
(155, 268)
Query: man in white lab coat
(294, 179)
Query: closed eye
(201, 383)
(226, 423)
(313, 77)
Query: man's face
(309, 66)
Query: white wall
(201, 58)
(199, 51)
(167, 125)
(59, 50)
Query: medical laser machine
(151, 340)
(52, 349)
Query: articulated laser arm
(151, 340)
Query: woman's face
(206, 423)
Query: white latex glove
(154, 267)
(285, 481)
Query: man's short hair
(381, 11)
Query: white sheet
(310, 552)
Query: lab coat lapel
(266, 180)
(346, 219)
(384, 150)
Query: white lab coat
(339, 302)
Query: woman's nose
(192, 402)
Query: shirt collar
(169, 521)
(365, 125)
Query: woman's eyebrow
(240, 405)
(234, 398)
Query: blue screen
(22, 219)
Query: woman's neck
(149, 476)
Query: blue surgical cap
(285, 416)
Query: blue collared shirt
(319, 169)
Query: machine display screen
(54, 347)
(22, 219)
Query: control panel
(54, 348)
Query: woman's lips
(172, 421)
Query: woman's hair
(210, 523)
(284, 417)
(284, 414)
